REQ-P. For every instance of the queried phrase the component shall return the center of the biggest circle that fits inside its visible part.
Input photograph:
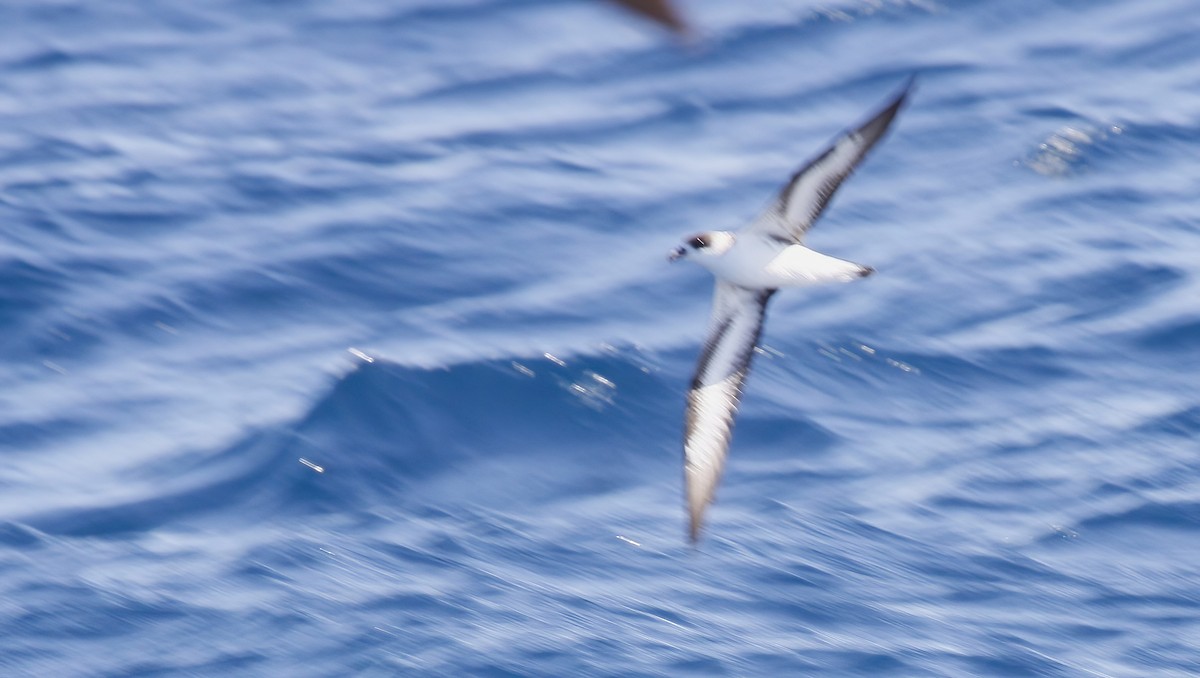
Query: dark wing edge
(659, 11)
(715, 392)
(804, 197)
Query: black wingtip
(897, 100)
(878, 125)
(900, 98)
(909, 87)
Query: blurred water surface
(338, 339)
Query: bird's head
(702, 246)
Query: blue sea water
(338, 339)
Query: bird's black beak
(677, 254)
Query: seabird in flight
(750, 266)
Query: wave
(387, 436)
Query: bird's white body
(758, 262)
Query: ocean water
(338, 339)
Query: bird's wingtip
(695, 521)
(905, 91)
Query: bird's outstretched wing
(806, 194)
(712, 401)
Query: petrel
(750, 266)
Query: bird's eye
(699, 242)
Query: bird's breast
(756, 264)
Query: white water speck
(360, 355)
